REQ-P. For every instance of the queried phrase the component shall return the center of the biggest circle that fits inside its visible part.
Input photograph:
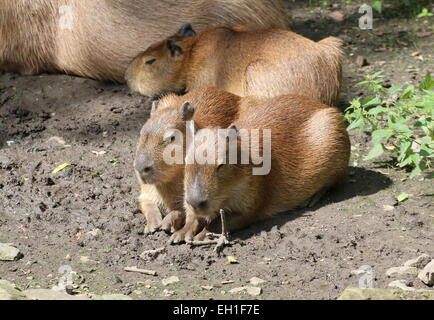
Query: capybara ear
(154, 107)
(187, 111)
(186, 31)
(175, 50)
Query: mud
(54, 219)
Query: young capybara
(161, 182)
(98, 39)
(261, 63)
(309, 152)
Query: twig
(135, 269)
(219, 243)
(224, 238)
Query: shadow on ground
(363, 183)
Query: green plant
(399, 120)
(402, 7)
(424, 14)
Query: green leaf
(373, 102)
(394, 89)
(402, 197)
(376, 111)
(356, 124)
(61, 167)
(375, 152)
(427, 83)
(425, 13)
(378, 6)
(418, 170)
(380, 134)
(402, 128)
(407, 93)
(355, 104)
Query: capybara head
(159, 68)
(214, 171)
(160, 151)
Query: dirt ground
(305, 254)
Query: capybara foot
(173, 222)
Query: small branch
(219, 243)
(135, 269)
(224, 238)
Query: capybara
(309, 152)
(261, 63)
(161, 183)
(98, 39)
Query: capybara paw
(181, 236)
(177, 237)
(173, 222)
(152, 226)
(201, 236)
(167, 225)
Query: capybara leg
(201, 235)
(174, 221)
(192, 226)
(152, 215)
(150, 210)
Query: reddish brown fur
(108, 34)
(302, 138)
(166, 190)
(261, 63)
(310, 151)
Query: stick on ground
(219, 243)
(135, 269)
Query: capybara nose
(198, 204)
(143, 165)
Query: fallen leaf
(61, 167)
(232, 260)
(99, 153)
(402, 197)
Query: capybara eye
(150, 61)
(170, 139)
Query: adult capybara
(308, 152)
(98, 39)
(261, 63)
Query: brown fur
(108, 34)
(261, 63)
(309, 152)
(165, 190)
